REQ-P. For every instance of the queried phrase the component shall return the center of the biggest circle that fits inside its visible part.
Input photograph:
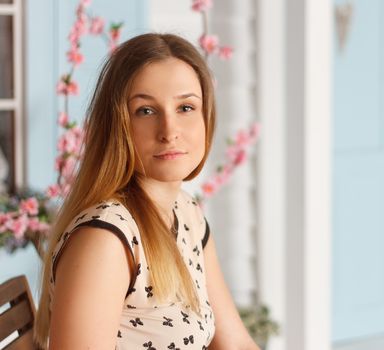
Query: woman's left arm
(230, 332)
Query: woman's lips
(170, 155)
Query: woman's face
(165, 107)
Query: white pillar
(295, 162)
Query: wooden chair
(20, 316)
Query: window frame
(16, 103)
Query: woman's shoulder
(106, 212)
(110, 215)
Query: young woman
(131, 263)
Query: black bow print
(149, 346)
(200, 326)
(184, 241)
(66, 235)
(198, 268)
(103, 206)
(167, 322)
(80, 218)
(119, 334)
(136, 322)
(121, 217)
(173, 346)
(149, 291)
(94, 217)
(185, 317)
(196, 250)
(134, 241)
(138, 270)
(188, 340)
(197, 284)
(190, 262)
(186, 227)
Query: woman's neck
(164, 195)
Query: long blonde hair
(107, 168)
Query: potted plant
(259, 323)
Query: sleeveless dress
(145, 322)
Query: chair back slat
(12, 289)
(19, 316)
(24, 342)
(15, 318)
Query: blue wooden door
(358, 178)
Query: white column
(295, 162)
(272, 170)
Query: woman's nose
(168, 128)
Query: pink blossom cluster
(201, 5)
(69, 143)
(69, 147)
(210, 45)
(236, 154)
(66, 86)
(84, 24)
(25, 218)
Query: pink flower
(209, 43)
(68, 142)
(4, 217)
(231, 152)
(209, 188)
(86, 3)
(115, 34)
(201, 5)
(241, 157)
(53, 191)
(75, 57)
(73, 88)
(33, 224)
(36, 225)
(30, 206)
(18, 226)
(242, 138)
(67, 87)
(63, 119)
(225, 52)
(68, 169)
(97, 25)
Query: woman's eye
(186, 108)
(144, 111)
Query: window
(11, 99)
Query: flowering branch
(210, 43)
(69, 143)
(235, 155)
(237, 151)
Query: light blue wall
(47, 27)
(358, 194)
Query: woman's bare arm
(92, 279)
(230, 332)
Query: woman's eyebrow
(143, 96)
(191, 94)
(149, 97)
